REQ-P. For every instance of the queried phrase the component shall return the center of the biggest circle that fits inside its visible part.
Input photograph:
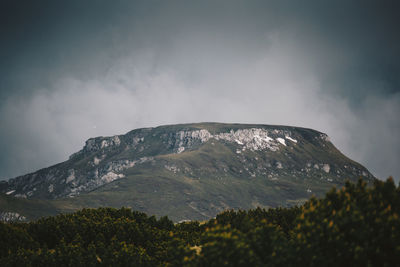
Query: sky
(71, 70)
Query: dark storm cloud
(71, 70)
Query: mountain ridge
(200, 164)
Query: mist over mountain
(74, 70)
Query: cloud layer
(124, 66)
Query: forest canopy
(357, 225)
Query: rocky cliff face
(8, 216)
(274, 155)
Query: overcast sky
(71, 70)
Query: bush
(354, 226)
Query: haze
(72, 70)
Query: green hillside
(187, 171)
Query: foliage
(358, 225)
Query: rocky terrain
(188, 171)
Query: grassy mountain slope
(190, 171)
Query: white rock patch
(172, 168)
(113, 141)
(111, 176)
(291, 139)
(325, 137)
(252, 139)
(8, 216)
(105, 175)
(96, 161)
(71, 176)
(137, 140)
(239, 142)
(10, 192)
(326, 168)
(281, 140)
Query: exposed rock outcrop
(7, 216)
(279, 151)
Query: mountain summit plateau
(186, 171)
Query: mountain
(186, 171)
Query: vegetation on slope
(186, 171)
(358, 225)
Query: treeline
(358, 225)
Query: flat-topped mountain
(186, 171)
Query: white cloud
(276, 87)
